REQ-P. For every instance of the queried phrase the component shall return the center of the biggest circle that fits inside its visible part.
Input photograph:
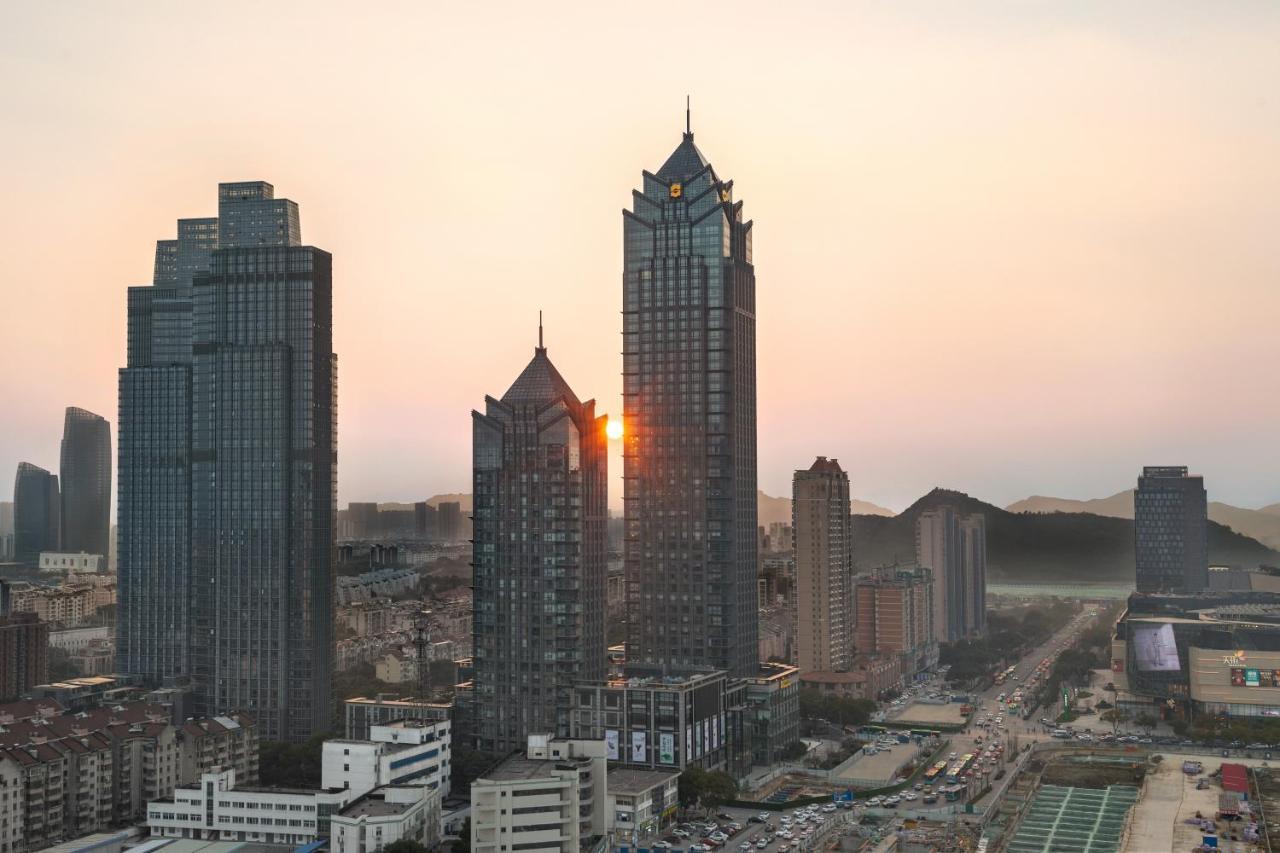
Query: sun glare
(613, 430)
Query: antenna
(688, 121)
(540, 331)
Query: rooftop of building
(775, 672)
(625, 780)
(674, 681)
(376, 804)
(539, 383)
(519, 767)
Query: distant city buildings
(952, 545)
(37, 513)
(689, 403)
(449, 521)
(540, 503)
(893, 615)
(85, 475)
(1171, 531)
(227, 458)
(58, 563)
(6, 531)
(824, 562)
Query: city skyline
(1093, 237)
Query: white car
(761, 844)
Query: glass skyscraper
(540, 507)
(227, 463)
(689, 403)
(1171, 531)
(36, 513)
(85, 473)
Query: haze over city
(1008, 251)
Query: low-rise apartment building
(403, 752)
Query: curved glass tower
(689, 402)
(86, 483)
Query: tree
(708, 788)
(291, 765)
(1115, 717)
(1145, 721)
(405, 845)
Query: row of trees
(1010, 632)
(815, 705)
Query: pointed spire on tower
(688, 119)
(540, 346)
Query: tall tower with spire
(689, 402)
(540, 507)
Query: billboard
(611, 744)
(638, 752)
(1247, 676)
(666, 748)
(1154, 648)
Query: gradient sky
(1009, 248)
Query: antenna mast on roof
(540, 331)
(688, 120)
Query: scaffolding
(1074, 820)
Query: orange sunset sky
(1009, 248)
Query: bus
(935, 771)
(958, 767)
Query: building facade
(228, 467)
(24, 654)
(539, 510)
(85, 474)
(894, 616)
(371, 822)
(404, 752)
(552, 799)
(952, 545)
(363, 713)
(55, 562)
(1171, 531)
(37, 512)
(689, 404)
(824, 563)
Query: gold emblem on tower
(676, 190)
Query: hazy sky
(1010, 248)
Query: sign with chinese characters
(666, 748)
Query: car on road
(762, 844)
(662, 844)
(718, 836)
(755, 818)
(745, 846)
(681, 833)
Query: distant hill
(1261, 524)
(1039, 547)
(770, 509)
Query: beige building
(553, 798)
(395, 668)
(823, 555)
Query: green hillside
(1031, 547)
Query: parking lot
(760, 831)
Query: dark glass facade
(1171, 531)
(85, 474)
(689, 401)
(227, 467)
(538, 556)
(36, 513)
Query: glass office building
(85, 473)
(540, 507)
(228, 468)
(689, 403)
(1171, 531)
(36, 513)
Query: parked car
(681, 833)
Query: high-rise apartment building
(228, 467)
(540, 505)
(6, 531)
(953, 546)
(824, 563)
(893, 615)
(1171, 531)
(37, 511)
(689, 402)
(85, 474)
(24, 654)
(449, 521)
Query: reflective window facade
(85, 473)
(538, 556)
(36, 513)
(1170, 529)
(689, 399)
(227, 455)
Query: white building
(56, 562)
(641, 800)
(387, 815)
(74, 640)
(403, 752)
(554, 798)
(217, 810)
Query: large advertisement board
(638, 752)
(1247, 676)
(611, 744)
(666, 748)
(1155, 649)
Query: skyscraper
(1171, 531)
(86, 483)
(954, 546)
(824, 563)
(538, 555)
(228, 467)
(36, 513)
(689, 403)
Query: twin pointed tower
(689, 465)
